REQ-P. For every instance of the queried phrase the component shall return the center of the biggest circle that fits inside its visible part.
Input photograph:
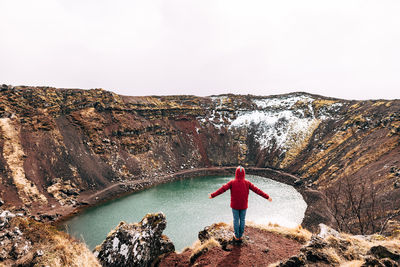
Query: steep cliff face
(57, 144)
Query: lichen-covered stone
(5, 217)
(220, 232)
(13, 244)
(65, 192)
(374, 262)
(331, 248)
(136, 244)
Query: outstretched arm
(258, 191)
(221, 190)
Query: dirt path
(261, 249)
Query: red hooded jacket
(239, 190)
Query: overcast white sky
(340, 48)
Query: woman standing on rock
(239, 199)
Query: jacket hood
(240, 173)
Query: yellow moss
(395, 124)
(59, 249)
(394, 128)
(379, 103)
(226, 100)
(358, 118)
(297, 142)
(362, 246)
(396, 234)
(298, 233)
(371, 157)
(318, 160)
(66, 252)
(354, 152)
(209, 244)
(220, 225)
(354, 263)
(357, 246)
(333, 255)
(318, 103)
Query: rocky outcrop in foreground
(13, 245)
(135, 244)
(26, 242)
(332, 248)
(272, 245)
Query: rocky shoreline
(316, 212)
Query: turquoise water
(188, 209)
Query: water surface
(188, 209)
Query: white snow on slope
(278, 121)
(286, 102)
(274, 127)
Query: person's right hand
(270, 199)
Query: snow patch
(115, 243)
(279, 123)
(327, 111)
(124, 250)
(276, 122)
(273, 128)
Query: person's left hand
(209, 196)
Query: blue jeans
(239, 222)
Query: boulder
(326, 231)
(317, 210)
(374, 262)
(381, 252)
(220, 232)
(314, 250)
(371, 261)
(48, 217)
(317, 251)
(294, 261)
(138, 244)
(5, 216)
(298, 182)
(1, 202)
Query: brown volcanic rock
(96, 139)
(317, 210)
(135, 244)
